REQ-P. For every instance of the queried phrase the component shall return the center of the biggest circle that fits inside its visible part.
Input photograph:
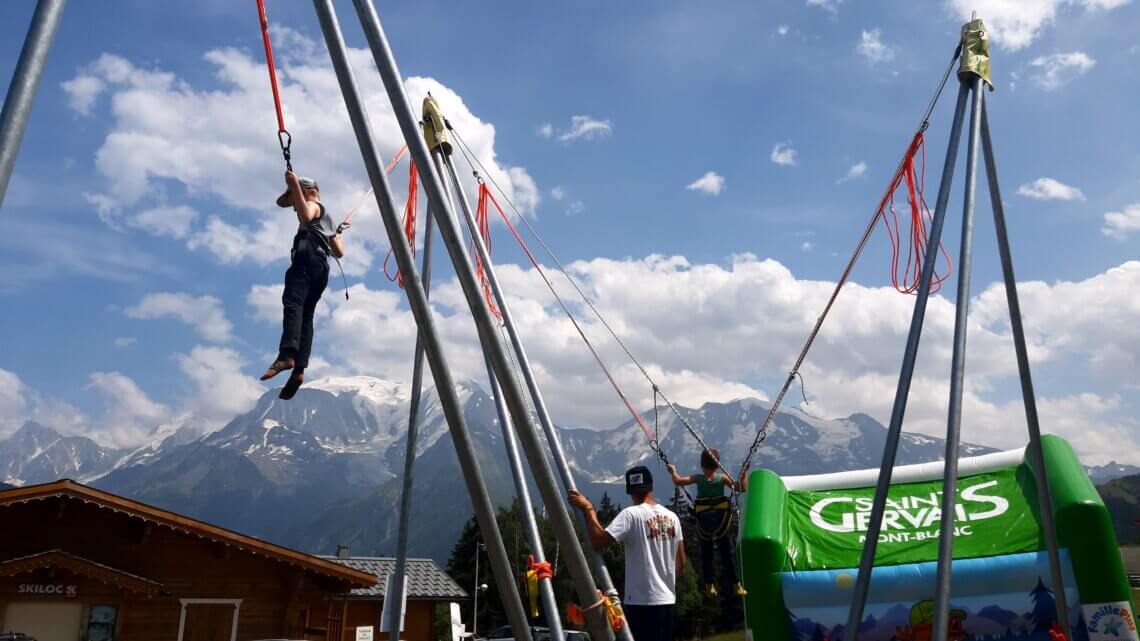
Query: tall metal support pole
(957, 375)
(510, 441)
(1036, 452)
(25, 80)
(418, 302)
(526, 507)
(894, 430)
(394, 602)
(600, 571)
(584, 586)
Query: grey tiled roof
(426, 580)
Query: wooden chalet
(81, 564)
(428, 587)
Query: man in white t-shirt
(654, 555)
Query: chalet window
(101, 623)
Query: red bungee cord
(485, 232)
(910, 279)
(283, 136)
(409, 223)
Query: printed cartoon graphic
(921, 626)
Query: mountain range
(321, 470)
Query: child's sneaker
(710, 591)
(740, 591)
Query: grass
(737, 635)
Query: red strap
(409, 224)
(485, 232)
(269, 61)
(910, 279)
(387, 170)
(541, 570)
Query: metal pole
(585, 588)
(1036, 452)
(600, 571)
(418, 302)
(396, 605)
(526, 507)
(957, 375)
(475, 605)
(511, 441)
(25, 81)
(894, 430)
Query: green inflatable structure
(801, 538)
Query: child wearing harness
(317, 238)
(714, 519)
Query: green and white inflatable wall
(801, 538)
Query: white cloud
(557, 192)
(1121, 224)
(82, 91)
(760, 306)
(129, 414)
(830, 6)
(586, 128)
(872, 47)
(858, 170)
(168, 139)
(20, 403)
(575, 208)
(13, 404)
(1056, 70)
(125, 342)
(203, 313)
(545, 130)
(1014, 24)
(711, 183)
(1050, 189)
(807, 246)
(783, 154)
(222, 390)
(174, 222)
(783, 29)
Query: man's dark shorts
(650, 622)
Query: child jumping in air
(714, 516)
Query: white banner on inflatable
(1110, 622)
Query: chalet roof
(71, 490)
(81, 566)
(426, 580)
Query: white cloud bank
(173, 148)
(586, 128)
(1015, 24)
(718, 332)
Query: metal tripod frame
(971, 86)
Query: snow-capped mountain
(36, 454)
(1101, 474)
(322, 469)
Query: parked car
(538, 633)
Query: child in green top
(714, 518)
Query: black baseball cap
(638, 479)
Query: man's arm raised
(599, 538)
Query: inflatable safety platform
(801, 539)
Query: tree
(1044, 609)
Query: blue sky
(144, 248)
